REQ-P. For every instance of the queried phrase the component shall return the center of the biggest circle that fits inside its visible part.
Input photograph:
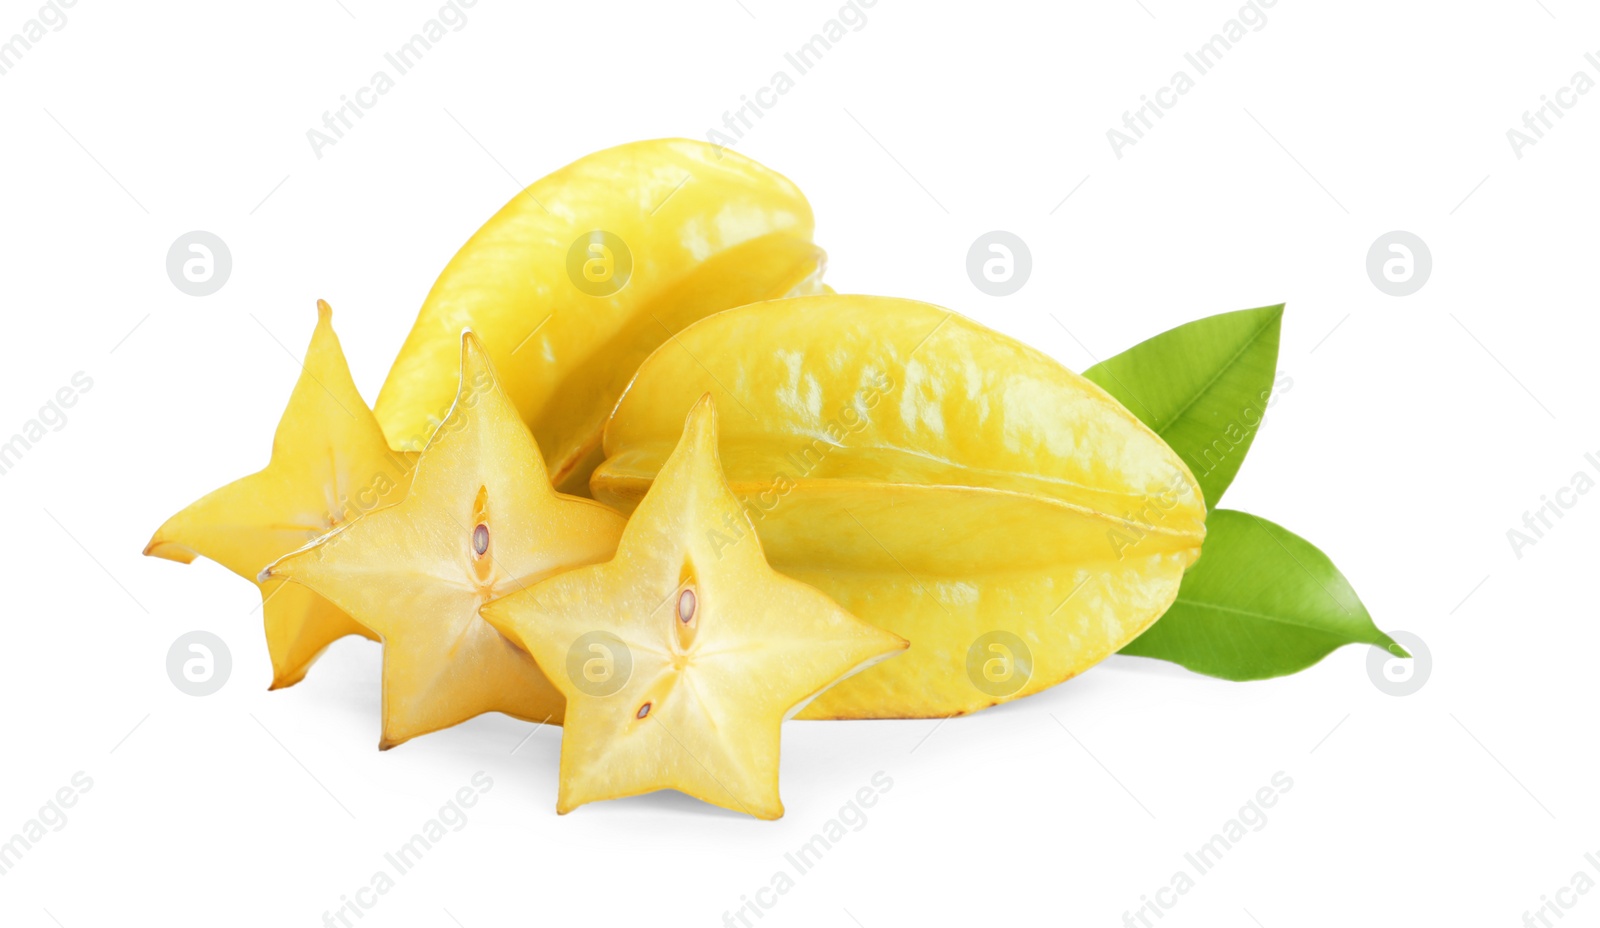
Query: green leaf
(1203, 387)
(1260, 602)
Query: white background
(1416, 433)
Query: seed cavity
(480, 539)
(686, 606)
(644, 710)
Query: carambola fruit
(329, 465)
(584, 273)
(481, 520)
(681, 657)
(940, 480)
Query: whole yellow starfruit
(950, 485)
(579, 277)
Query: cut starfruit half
(480, 521)
(329, 465)
(680, 658)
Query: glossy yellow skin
(329, 465)
(413, 574)
(935, 478)
(709, 678)
(707, 229)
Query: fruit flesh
(329, 464)
(720, 647)
(706, 229)
(481, 520)
(935, 478)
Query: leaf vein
(1223, 369)
(1263, 616)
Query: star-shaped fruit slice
(481, 520)
(329, 464)
(682, 656)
